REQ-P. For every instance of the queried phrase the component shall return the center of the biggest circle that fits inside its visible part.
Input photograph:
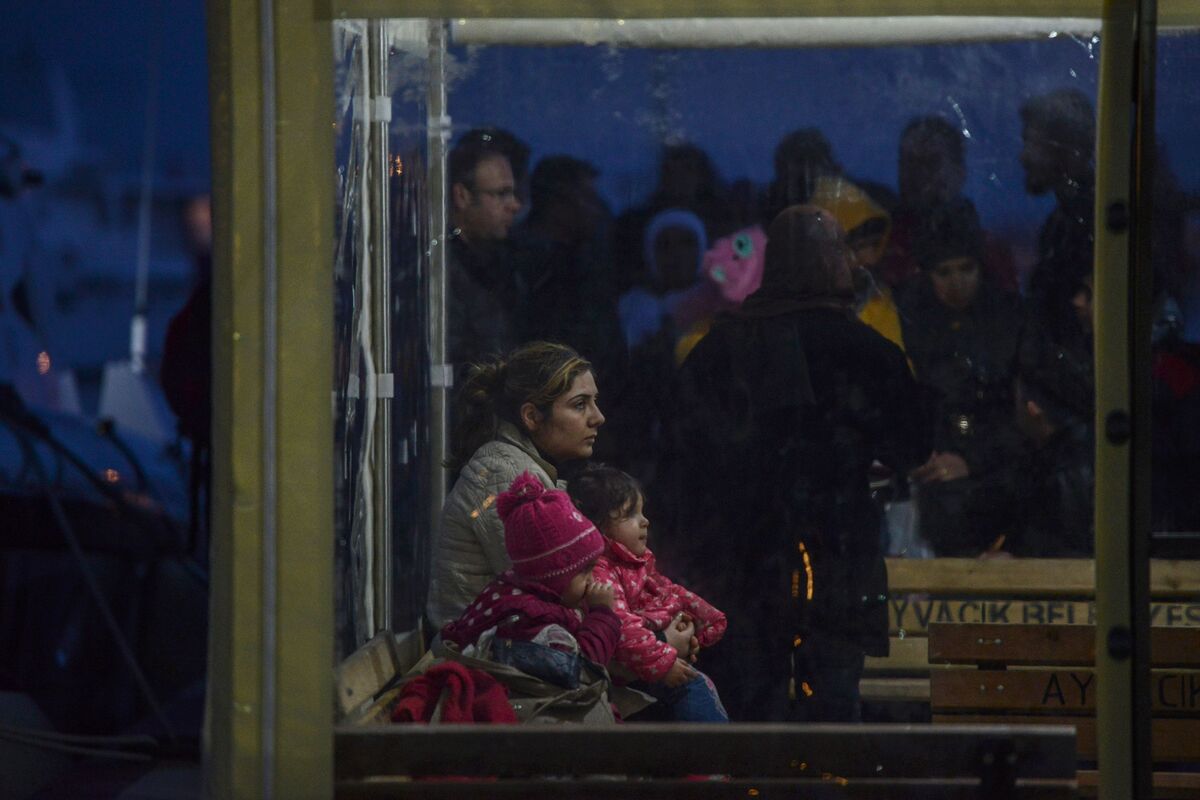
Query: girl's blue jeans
(695, 701)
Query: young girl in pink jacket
(663, 624)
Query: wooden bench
(681, 761)
(365, 681)
(1043, 674)
(374, 758)
(1018, 591)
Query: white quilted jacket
(468, 547)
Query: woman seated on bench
(531, 411)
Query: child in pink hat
(553, 548)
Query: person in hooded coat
(782, 410)
(961, 333)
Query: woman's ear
(531, 418)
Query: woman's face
(956, 282)
(568, 432)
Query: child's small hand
(679, 674)
(680, 634)
(599, 594)
(694, 653)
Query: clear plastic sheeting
(353, 431)
(381, 366)
(620, 199)
(1175, 336)
(916, 149)
(764, 32)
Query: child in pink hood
(663, 624)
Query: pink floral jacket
(646, 602)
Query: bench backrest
(1031, 673)
(1055, 592)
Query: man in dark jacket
(783, 408)
(480, 283)
(961, 335)
(1041, 505)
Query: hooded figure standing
(783, 409)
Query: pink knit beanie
(547, 538)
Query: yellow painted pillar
(1122, 419)
(269, 727)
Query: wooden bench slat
(651, 789)
(1052, 691)
(908, 656)
(1174, 740)
(1167, 785)
(865, 750)
(1064, 645)
(894, 690)
(361, 675)
(1028, 577)
(912, 615)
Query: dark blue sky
(105, 52)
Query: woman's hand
(941, 467)
(681, 634)
(599, 594)
(679, 674)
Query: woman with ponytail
(532, 411)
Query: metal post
(1141, 294)
(233, 739)
(269, 724)
(270, 400)
(377, 162)
(1122, 529)
(441, 373)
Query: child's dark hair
(602, 493)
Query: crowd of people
(773, 367)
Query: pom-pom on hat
(547, 538)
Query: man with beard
(1059, 132)
(480, 281)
